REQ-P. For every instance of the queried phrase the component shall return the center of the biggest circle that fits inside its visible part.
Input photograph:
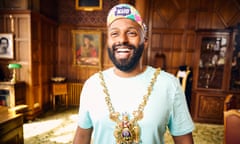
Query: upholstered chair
(231, 121)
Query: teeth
(122, 50)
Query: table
(59, 89)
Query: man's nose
(123, 38)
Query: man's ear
(145, 42)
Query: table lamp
(14, 66)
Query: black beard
(126, 65)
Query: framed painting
(89, 5)
(87, 48)
(6, 46)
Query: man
(3, 45)
(131, 103)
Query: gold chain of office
(127, 131)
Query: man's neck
(136, 71)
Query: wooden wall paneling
(36, 65)
(64, 49)
(155, 48)
(37, 106)
(6, 23)
(106, 62)
(46, 103)
(23, 26)
(45, 63)
(19, 23)
(174, 45)
(188, 48)
(35, 43)
(172, 14)
(156, 40)
(2, 21)
(227, 11)
(48, 57)
(204, 19)
(186, 16)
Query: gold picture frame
(6, 46)
(87, 48)
(89, 5)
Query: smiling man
(131, 103)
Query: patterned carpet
(58, 128)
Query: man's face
(3, 45)
(125, 44)
(86, 40)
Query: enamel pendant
(127, 131)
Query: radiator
(74, 90)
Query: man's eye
(132, 34)
(114, 34)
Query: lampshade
(14, 66)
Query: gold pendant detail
(126, 131)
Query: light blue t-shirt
(166, 106)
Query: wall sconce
(14, 66)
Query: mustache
(123, 45)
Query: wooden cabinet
(212, 75)
(11, 128)
(59, 89)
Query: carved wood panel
(210, 108)
(168, 18)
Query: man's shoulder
(163, 74)
(96, 75)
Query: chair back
(232, 126)
(231, 121)
(230, 102)
(184, 74)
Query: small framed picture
(6, 46)
(88, 5)
(87, 48)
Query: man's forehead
(124, 23)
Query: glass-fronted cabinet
(211, 75)
(211, 62)
(235, 62)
